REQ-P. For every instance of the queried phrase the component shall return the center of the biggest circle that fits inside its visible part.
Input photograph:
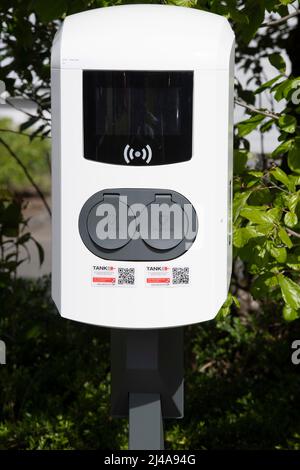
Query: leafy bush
(54, 389)
(266, 203)
(242, 392)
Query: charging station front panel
(141, 131)
(137, 117)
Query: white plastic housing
(144, 37)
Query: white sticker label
(158, 276)
(167, 276)
(108, 275)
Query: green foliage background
(242, 391)
(34, 153)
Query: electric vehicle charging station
(142, 112)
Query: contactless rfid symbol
(145, 154)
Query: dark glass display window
(137, 117)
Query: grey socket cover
(129, 247)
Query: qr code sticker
(126, 276)
(181, 275)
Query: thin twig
(206, 366)
(28, 175)
(291, 232)
(253, 109)
(278, 187)
(283, 19)
(43, 118)
(24, 133)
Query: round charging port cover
(103, 222)
(170, 223)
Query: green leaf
(290, 291)
(24, 239)
(281, 176)
(294, 157)
(266, 126)
(293, 261)
(40, 251)
(290, 219)
(257, 174)
(34, 332)
(242, 235)
(277, 61)
(295, 179)
(275, 213)
(239, 201)
(287, 123)
(265, 229)
(247, 126)
(238, 16)
(284, 237)
(260, 196)
(267, 84)
(280, 199)
(283, 148)
(251, 178)
(30, 122)
(292, 201)
(289, 314)
(282, 89)
(236, 301)
(258, 216)
(240, 158)
(279, 253)
(263, 284)
(48, 11)
(255, 12)
(226, 307)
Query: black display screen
(137, 118)
(140, 111)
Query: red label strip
(158, 280)
(104, 279)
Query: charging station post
(147, 382)
(142, 137)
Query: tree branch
(206, 366)
(28, 175)
(253, 109)
(42, 118)
(281, 20)
(291, 232)
(24, 133)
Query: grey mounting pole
(145, 422)
(147, 382)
